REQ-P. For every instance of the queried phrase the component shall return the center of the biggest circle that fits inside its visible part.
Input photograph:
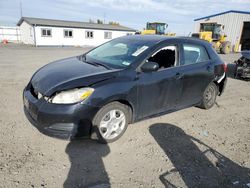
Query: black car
(125, 80)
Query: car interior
(165, 57)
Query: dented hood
(67, 74)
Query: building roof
(72, 24)
(230, 11)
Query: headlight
(72, 96)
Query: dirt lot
(189, 148)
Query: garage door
(245, 37)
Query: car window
(194, 54)
(165, 57)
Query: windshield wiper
(83, 58)
(100, 64)
(97, 64)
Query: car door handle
(178, 75)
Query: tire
(209, 96)
(226, 47)
(110, 122)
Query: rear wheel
(209, 96)
(110, 122)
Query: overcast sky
(179, 14)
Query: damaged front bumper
(65, 121)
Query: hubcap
(112, 124)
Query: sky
(178, 14)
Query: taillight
(225, 67)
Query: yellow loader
(156, 28)
(212, 32)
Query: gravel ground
(188, 148)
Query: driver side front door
(159, 91)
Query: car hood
(67, 74)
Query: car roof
(149, 38)
(162, 38)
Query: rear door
(197, 72)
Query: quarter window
(107, 35)
(194, 54)
(68, 33)
(46, 33)
(89, 34)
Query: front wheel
(110, 122)
(209, 96)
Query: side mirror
(150, 66)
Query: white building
(236, 26)
(47, 32)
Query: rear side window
(194, 54)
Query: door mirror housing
(150, 66)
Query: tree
(99, 21)
(114, 23)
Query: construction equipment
(212, 32)
(156, 28)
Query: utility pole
(104, 17)
(21, 9)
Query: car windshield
(118, 53)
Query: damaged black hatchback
(125, 80)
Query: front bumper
(65, 121)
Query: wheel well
(131, 110)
